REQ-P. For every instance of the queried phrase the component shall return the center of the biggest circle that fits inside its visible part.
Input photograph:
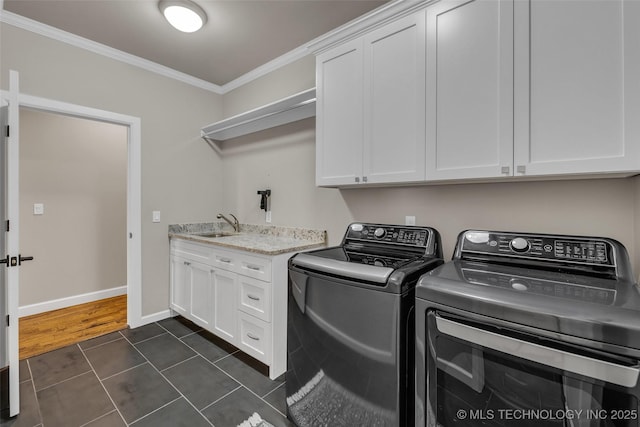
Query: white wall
(77, 169)
(181, 175)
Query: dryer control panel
(566, 249)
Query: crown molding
(266, 68)
(389, 11)
(15, 20)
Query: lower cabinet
(201, 283)
(237, 296)
(191, 290)
(223, 304)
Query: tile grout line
(156, 410)
(170, 383)
(221, 369)
(101, 416)
(35, 393)
(248, 388)
(102, 344)
(103, 387)
(281, 385)
(184, 336)
(65, 380)
(160, 372)
(123, 371)
(146, 339)
(230, 376)
(222, 397)
(256, 394)
(180, 363)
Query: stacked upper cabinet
(577, 86)
(469, 89)
(532, 88)
(371, 106)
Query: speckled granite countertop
(267, 240)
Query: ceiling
(240, 35)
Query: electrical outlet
(38, 209)
(409, 220)
(155, 216)
(268, 217)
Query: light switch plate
(156, 216)
(38, 209)
(409, 220)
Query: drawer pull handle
(253, 297)
(253, 267)
(253, 337)
(225, 260)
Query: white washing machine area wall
(529, 330)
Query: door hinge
(7, 132)
(8, 226)
(8, 323)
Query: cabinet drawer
(255, 337)
(259, 268)
(255, 297)
(225, 261)
(190, 250)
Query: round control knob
(380, 232)
(519, 286)
(520, 245)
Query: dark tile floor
(169, 373)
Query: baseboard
(57, 304)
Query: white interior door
(11, 249)
(4, 116)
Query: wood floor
(48, 331)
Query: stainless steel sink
(214, 234)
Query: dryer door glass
(479, 375)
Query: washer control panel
(539, 247)
(393, 234)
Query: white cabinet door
(469, 89)
(394, 102)
(225, 305)
(180, 295)
(201, 284)
(577, 96)
(339, 133)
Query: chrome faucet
(235, 224)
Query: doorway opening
(132, 126)
(73, 221)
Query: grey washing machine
(524, 329)
(351, 327)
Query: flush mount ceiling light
(183, 15)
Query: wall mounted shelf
(293, 108)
